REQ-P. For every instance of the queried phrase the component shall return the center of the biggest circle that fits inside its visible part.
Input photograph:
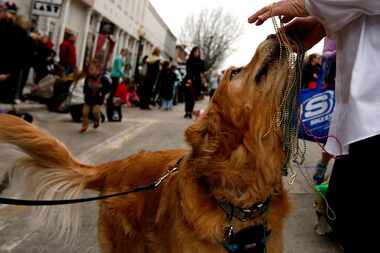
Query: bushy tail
(48, 172)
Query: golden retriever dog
(227, 195)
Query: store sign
(49, 8)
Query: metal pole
(139, 52)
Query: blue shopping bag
(317, 106)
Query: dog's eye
(263, 70)
(261, 73)
(235, 72)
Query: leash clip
(229, 232)
(163, 177)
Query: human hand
(286, 9)
(308, 30)
(188, 83)
(4, 77)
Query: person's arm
(336, 14)
(73, 57)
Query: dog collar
(251, 239)
(244, 214)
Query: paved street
(140, 130)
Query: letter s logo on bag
(318, 106)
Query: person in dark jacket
(27, 52)
(166, 82)
(193, 80)
(14, 45)
(150, 80)
(310, 71)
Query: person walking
(94, 93)
(195, 69)
(68, 53)
(150, 80)
(355, 25)
(193, 80)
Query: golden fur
(231, 158)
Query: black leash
(152, 186)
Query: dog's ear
(204, 132)
(196, 133)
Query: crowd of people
(20, 50)
(55, 79)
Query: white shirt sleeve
(336, 14)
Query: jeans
(167, 104)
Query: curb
(24, 107)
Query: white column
(117, 42)
(65, 16)
(98, 23)
(120, 41)
(85, 36)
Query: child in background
(166, 82)
(132, 97)
(120, 98)
(94, 92)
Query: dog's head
(230, 138)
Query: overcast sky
(174, 12)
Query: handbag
(317, 106)
(76, 96)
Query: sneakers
(84, 129)
(188, 115)
(319, 175)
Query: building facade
(104, 27)
(158, 34)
